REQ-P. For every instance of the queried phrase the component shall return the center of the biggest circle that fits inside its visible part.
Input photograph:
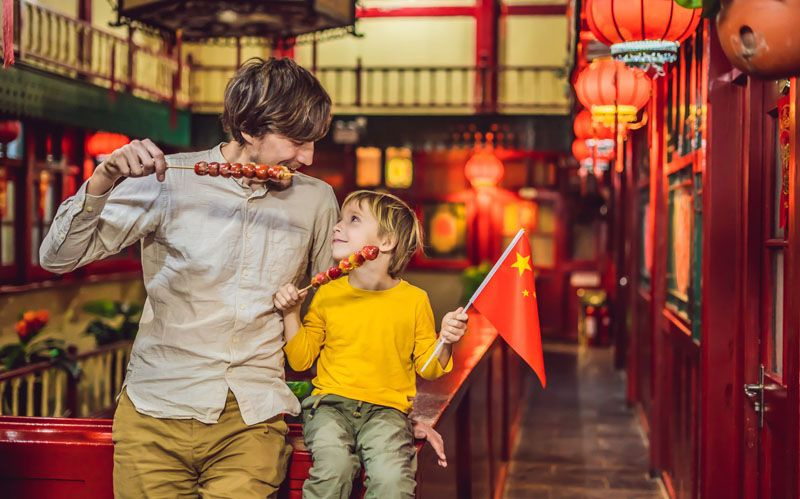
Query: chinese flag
(508, 301)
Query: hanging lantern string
(617, 148)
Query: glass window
(7, 219)
(368, 166)
(780, 214)
(399, 168)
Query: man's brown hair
(276, 96)
(395, 219)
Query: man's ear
(248, 138)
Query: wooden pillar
(486, 17)
(724, 241)
(658, 223)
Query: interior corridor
(578, 438)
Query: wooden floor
(578, 438)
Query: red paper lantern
(484, 169)
(609, 88)
(580, 150)
(585, 128)
(9, 130)
(599, 149)
(642, 34)
(103, 143)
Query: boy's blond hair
(395, 219)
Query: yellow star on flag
(523, 263)
(525, 292)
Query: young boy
(372, 331)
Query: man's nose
(305, 153)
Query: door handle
(755, 392)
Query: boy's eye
(354, 218)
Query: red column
(486, 16)
(283, 47)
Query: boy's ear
(387, 244)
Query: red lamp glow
(103, 143)
(484, 169)
(9, 130)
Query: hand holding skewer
(288, 298)
(344, 267)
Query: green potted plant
(472, 277)
(116, 321)
(28, 350)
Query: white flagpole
(502, 258)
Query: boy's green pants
(342, 433)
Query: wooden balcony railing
(46, 390)
(151, 69)
(74, 48)
(399, 89)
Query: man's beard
(283, 184)
(280, 185)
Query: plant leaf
(102, 308)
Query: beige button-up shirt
(213, 254)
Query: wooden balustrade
(446, 89)
(46, 390)
(74, 48)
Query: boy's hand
(424, 431)
(288, 299)
(454, 325)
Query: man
(201, 412)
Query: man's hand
(426, 432)
(454, 325)
(288, 299)
(137, 159)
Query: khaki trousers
(171, 458)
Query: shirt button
(89, 209)
(249, 236)
(241, 307)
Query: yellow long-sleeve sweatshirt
(370, 343)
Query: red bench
(476, 408)
(55, 458)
